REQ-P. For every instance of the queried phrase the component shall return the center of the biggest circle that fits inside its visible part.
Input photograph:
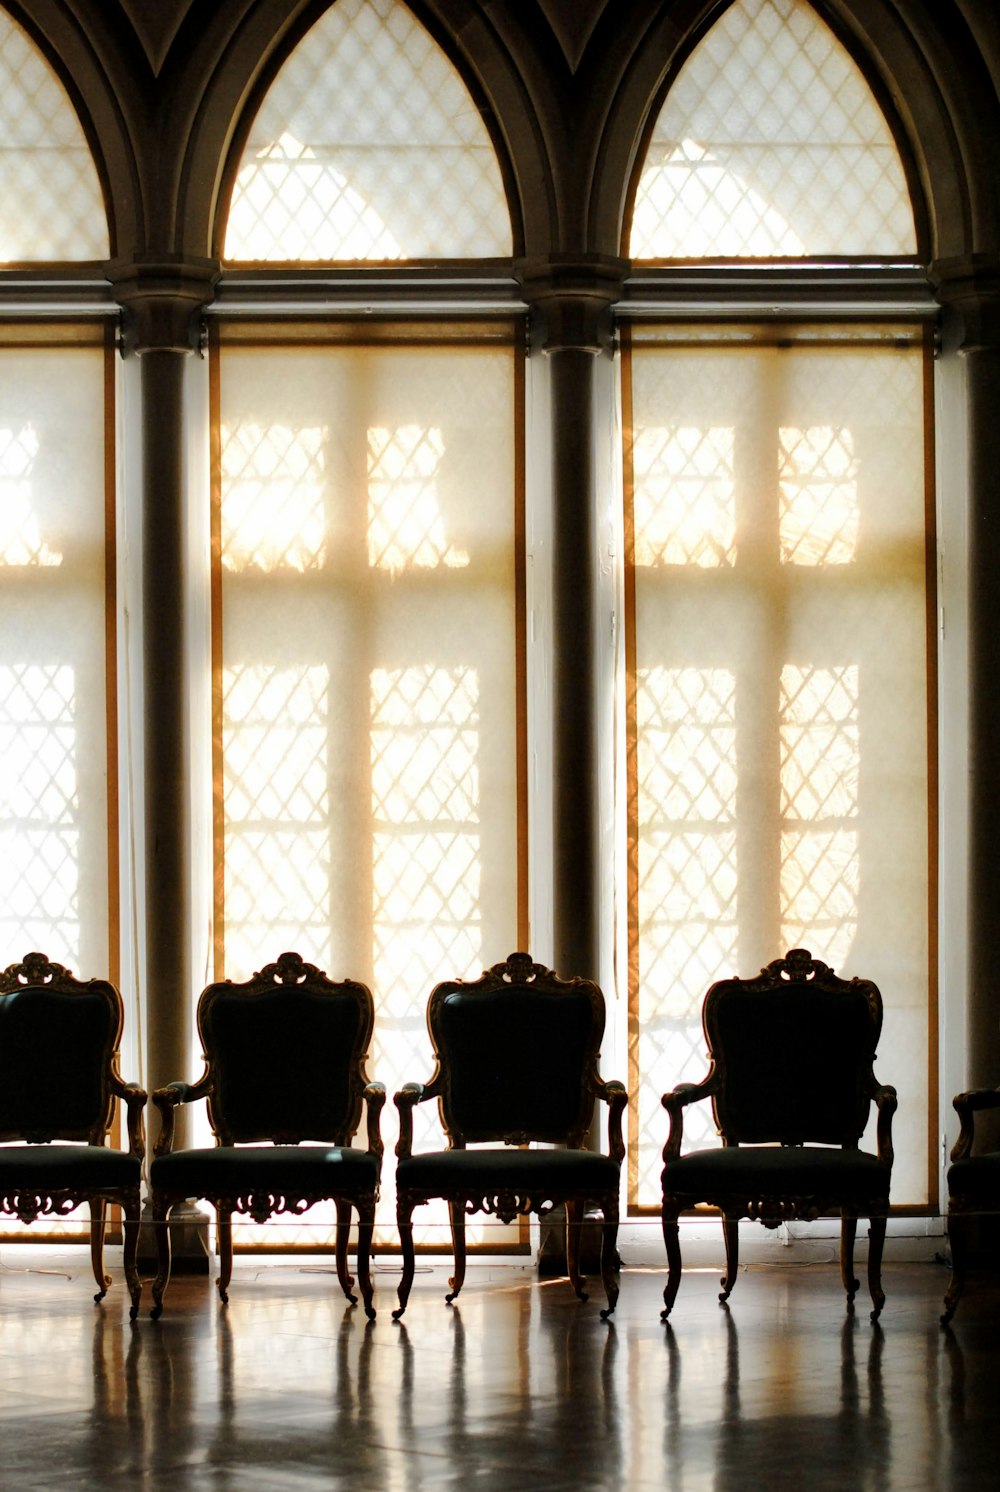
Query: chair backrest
(517, 1054)
(59, 1040)
(793, 1051)
(286, 1054)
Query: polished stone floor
(518, 1387)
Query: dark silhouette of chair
(516, 1053)
(285, 1059)
(791, 1082)
(973, 1189)
(59, 1081)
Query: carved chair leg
(848, 1230)
(731, 1233)
(130, 1252)
(609, 1254)
(366, 1227)
(876, 1238)
(224, 1224)
(456, 1211)
(98, 1214)
(161, 1231)
(404, 1226)
(343, 1238)
(958, 1237)
(671, 1237)
(574, 1228)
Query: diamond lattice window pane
(368, 146)
(771, 144)
(818, 496)
(684, 497)
(686, 777)
(54, 208)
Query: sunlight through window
(273, 511)
(684, 500)
(21, 539)
(405, 524)
(818, 496)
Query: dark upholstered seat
(791, 1083)
(59, 1082)
(285, 1080)
(973, 1190)
(516, 1054)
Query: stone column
(572, 301)
(162, 303)
(970, 289)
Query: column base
(188, 1240)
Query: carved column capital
(573, 297)
(162, 300)
(970, 287)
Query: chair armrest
(374, 1097)
(674, 1102)
(406, 1101)
(966, 1106)
(615, 1096)
(884, 1098)
(166, 1100)
(134, 1099)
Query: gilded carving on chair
(285, 1085)
(516, 1055)
(791, 1082)
(60, 1087)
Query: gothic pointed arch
(770, 144)
(48, 178)
(367, 146)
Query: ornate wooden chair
(516, 1053)
(791, 1082)
(285, 1058)
(59, 1081)
(973, 1189)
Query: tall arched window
(58, 817)
(779, 525)
(368, 632)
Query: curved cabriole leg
(404, 1211)
(958, 1238)
(161, 1231)
(848, 1229)
(366, 1227)
(876, 1238)
(98, 1213)
(609, 1238)
(343, 1238)
(671, 1237)
(731, 1233)
(224, 1223)
(456, 1211)
(130, 1252)
(574, 1227)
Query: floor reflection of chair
(789, 1422)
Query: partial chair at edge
(59, 1080)
(973, 1189)
(285, 1058)
(516, 1053)
(791, 1082)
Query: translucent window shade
(368, 668)
(368, 146)
(54, 209)
(779, 721)
(771, 144)
(53, 687)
